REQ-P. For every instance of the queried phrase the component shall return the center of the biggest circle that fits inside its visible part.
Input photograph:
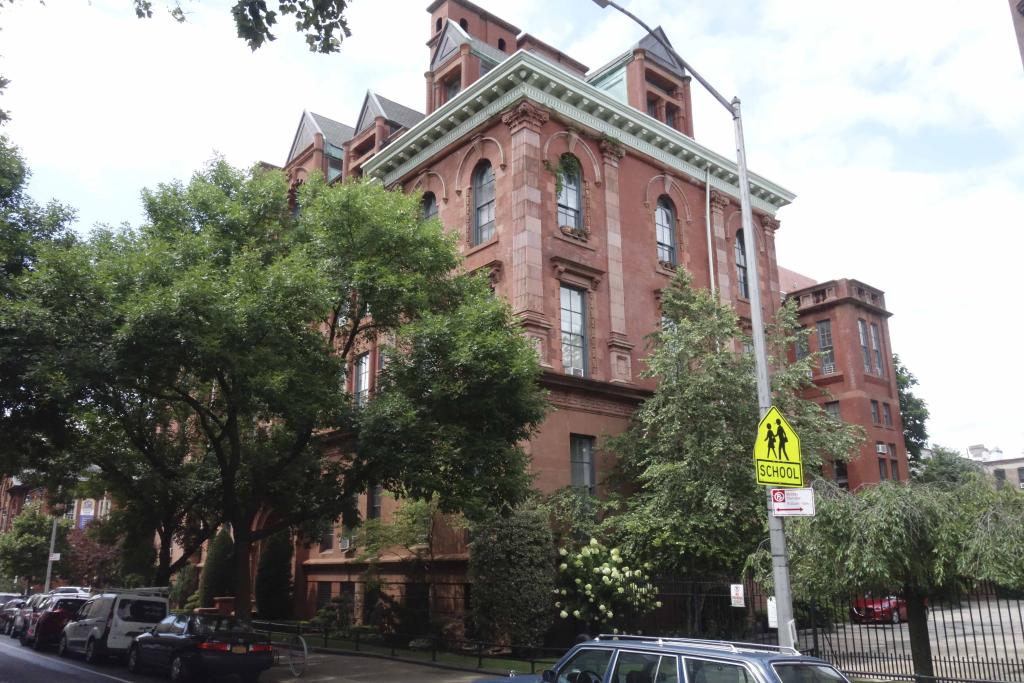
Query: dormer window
(501, 44)
(438, 24)
(464, 24)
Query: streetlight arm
(680, 62)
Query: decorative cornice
(770, 225)
(525, 115)
(526, 76)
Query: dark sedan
(191, 646)
(46, 626)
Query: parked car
(868, 610)
(106, 624)
(190, 646)
(646, 659)
(46, 626)
(7, 613)
(7, 597)
(74, 590)
(24, 612)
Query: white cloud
(898, 127)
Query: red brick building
(849, 327)
(582, 261)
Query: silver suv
(646, 659)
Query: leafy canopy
(696, 507)
(913, 413)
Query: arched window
(741, 265)
(569, 212)
(483, 203)
(429, 205)
(437, 24)
(464, 24)
(501, 44)
(665, 228)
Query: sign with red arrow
(793, 502)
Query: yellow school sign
(777, 452)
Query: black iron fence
(975, 632)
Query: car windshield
(142, 611)
(205, 624)
(797, 672)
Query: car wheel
(37, 643)
(23, 639)
(91, 655)
(62, 647)
(133, 660)
(895, 617)
(179, 670)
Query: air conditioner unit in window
(1021, 485)
(344, 543)
(578, 372)
(828, 368)
(881, 449)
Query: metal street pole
(49, 558)
(780, 561)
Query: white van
(107, 623)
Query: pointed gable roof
(310, 124)
(374, 105)
(452, 36)
(656, 51)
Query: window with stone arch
(741, 266)
(429, 206)
(570, 192)
(665, 229)
(483, 203)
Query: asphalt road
(23, 665)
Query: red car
(888, 610)
(45, 626)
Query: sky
(901, 132)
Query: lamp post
(780, 562)
(57, 509)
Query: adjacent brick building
(849, 328)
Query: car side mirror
(549, 676)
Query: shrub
(274, 578)
(185, 584)
(510, 564)
(218, 577)
(599, 588)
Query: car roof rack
(149, 591)
(730, 645)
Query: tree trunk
(162, 577)
(243, 577)
(917, 621)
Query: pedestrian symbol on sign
(777, 458)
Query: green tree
(694, 507)
(322, 22)
(218, 576)
(913, 538)
(25, 548)
(913, 413)
(186, 582)
(259, 314)
(274, 577)
(33, 405)
(512, 570)
(948, 467)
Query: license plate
(239, 649)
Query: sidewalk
(325, 668)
